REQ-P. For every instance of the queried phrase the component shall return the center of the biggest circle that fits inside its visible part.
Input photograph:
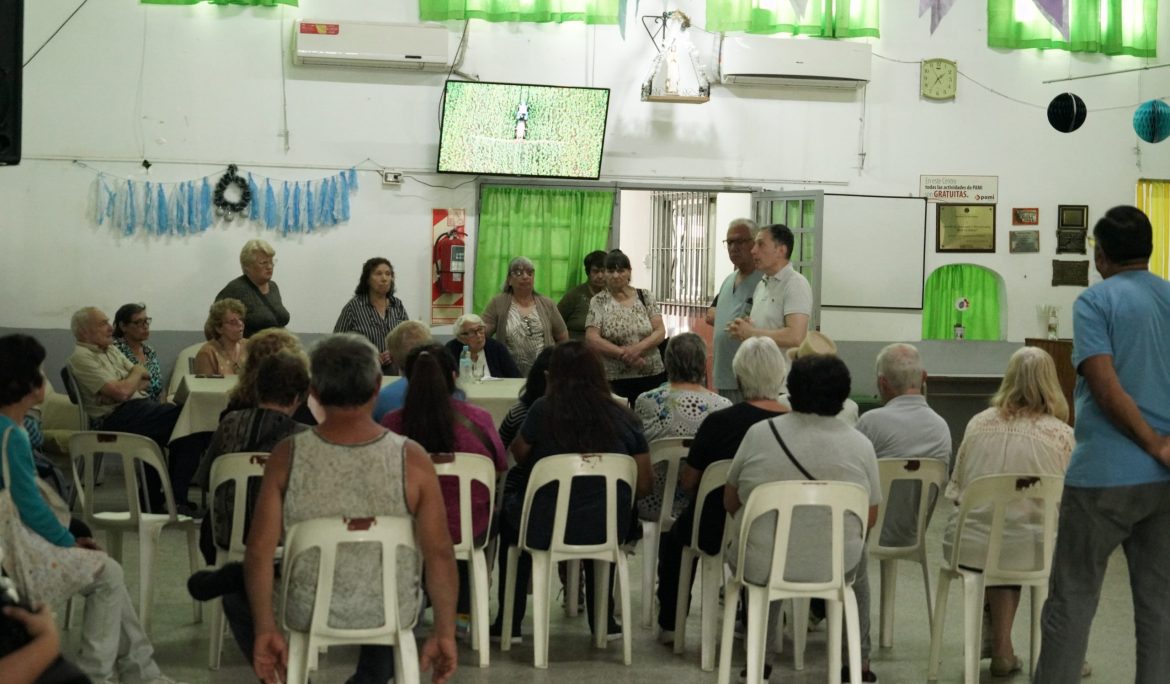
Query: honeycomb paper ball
(1066, 112)
(1151, 121)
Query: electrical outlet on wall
(391, 177)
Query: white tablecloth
(203, 399)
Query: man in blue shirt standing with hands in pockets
(1117, 488)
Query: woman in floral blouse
(131, 331)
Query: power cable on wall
(54, 34)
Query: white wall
(203, 84)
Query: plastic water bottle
(465, 367)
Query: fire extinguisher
(448, 256)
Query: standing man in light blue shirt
(1117, 488)
(733, 301)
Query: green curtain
(539, 11)
(260, 3)
(822, 18)
(1112, 27)
(554, 227)
(946, 286)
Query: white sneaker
(666, 637)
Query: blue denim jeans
(1093, 523)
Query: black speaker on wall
(11, 52)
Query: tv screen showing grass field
(523, 130)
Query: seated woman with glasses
(131, 331)
(226, 347)
(523, 319)
(489, 358)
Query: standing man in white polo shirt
(782, 302)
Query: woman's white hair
(759, 368)
(251, 250)
(465, 319)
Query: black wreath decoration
(225, 208)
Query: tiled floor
(181, 646)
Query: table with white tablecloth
(204, 399)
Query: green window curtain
(821, 18)
(945, 287)
(1111, 27)
(539, 11)
(554, 227)
(259, 3)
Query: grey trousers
(111, 636)
(1093, 522)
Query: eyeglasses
(616, 270)
(234, 322)
(738, 241)
(521, 272)
(474, 332)
(141, 322)
(266, 263)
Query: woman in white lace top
(677, 408)
(1024, 431)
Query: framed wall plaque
(1025, 216)
(1070, 273)
(1024, 241)
(1072, 224)
(965, 228)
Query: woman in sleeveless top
(349, 466)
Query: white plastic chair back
(241, 468)
(471, 468)
(395, 535)
(998, 492)
(842, 499)
(711, 569)
(137, 452)
(931, 474)
(561, 469)
(665, 453)
(184, 365)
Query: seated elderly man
(405, 336)
(489, 357)
(113, 393)
(904, 427)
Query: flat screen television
(512, 129)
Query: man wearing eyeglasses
(733, 301)
(113, 394)
(574, 306)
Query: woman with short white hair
(760, 372)
(256, 289)
(489, 357)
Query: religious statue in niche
(674, 83)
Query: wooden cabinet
(1061, 352)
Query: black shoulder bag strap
(792, 458)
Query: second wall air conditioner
(418, 47)
(763, 61)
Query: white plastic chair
(561, 469)
(669, 451)
(136, 452)
(996, 492)
(931, 474)
(842, 499)
(470, 468)
(395, 535)
(239, 468)
(184, 365)
(711, 571)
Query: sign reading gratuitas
(961, 189)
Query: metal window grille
(681, 267)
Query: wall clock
(939, 79)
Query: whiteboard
(873, 251)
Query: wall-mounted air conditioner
(763, 61)
(421, 47)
